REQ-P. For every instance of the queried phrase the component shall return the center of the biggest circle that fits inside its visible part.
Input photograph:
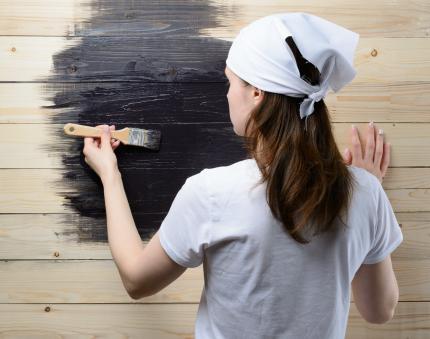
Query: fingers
(385, 159)
(370, 144)
(379, 149)
(89, 143)
(347, 156)
(377, 153)
(96, 141)
(100, 127)
(357, 155)
(112, 128)
(114, 143)
(105, 138)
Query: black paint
(142, 64)
(160, 59)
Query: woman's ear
(258, 95)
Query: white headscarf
(261, 56)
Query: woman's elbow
(138, 293)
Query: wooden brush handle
(88, 131)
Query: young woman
(283, 234)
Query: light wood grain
(74, 17)
(171, 321)
(83, 281)
(47, 17)
(163, 321)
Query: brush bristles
(148, 138)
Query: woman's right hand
(376, 154)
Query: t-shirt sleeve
(387, 232)
(185, 231)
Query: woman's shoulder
(365, 181)
(217, 185)
(224, 178)
(227, 172)
(363, 174)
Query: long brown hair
(308, 183)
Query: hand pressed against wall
(376, 153)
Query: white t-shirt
(258, 281)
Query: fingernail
(353, 126)
(380, 132)
(371, 123)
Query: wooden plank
(168, 321)
(405, 178)
(52, 191)
(119, 103)
(215, 18)
(98, 281)
(125, 103)
(54, 59)
(184, 145)
(162, 321)
(50, 236)
(84, 281)
(193, 59)
(171, 321)
(48, 17)
(73, 236)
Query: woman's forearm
(124, 239)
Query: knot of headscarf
(307, 105)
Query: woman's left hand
(99, 152)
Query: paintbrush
(148, 138)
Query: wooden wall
(159, 64)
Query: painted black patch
(143, 64)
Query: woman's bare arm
(375, 288)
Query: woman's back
(259, 282)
